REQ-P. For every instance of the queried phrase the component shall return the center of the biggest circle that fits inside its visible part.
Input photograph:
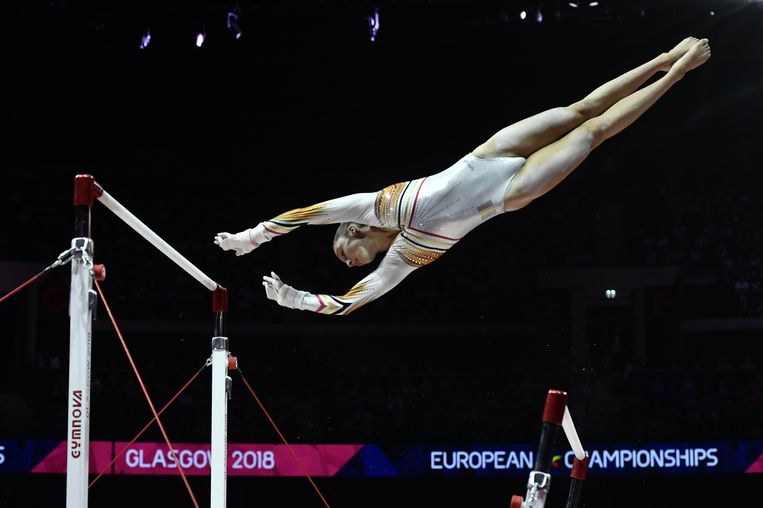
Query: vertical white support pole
(81, 299)
(219, 441)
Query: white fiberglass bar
(572, 435)
(135, 223)
(80, 320)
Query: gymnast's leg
(548, 166)
(531, 134)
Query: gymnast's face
(354, 250)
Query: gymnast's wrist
(259, 234)
(293, 298)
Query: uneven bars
(86, 190)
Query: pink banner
(243, 459)
(756, 467)
(55, 461)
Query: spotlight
(373, 24)
(232, 22)
(145, 40)
(574, 5)
(200, 37)
(523, 15)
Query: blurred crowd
(412, 392)
(396, 401)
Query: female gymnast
(416, 221)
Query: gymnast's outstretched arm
(390, 272)
(352, 208)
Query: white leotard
(432, 214)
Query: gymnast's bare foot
(678, 51)
(698, 54)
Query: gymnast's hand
(242, 242)
(285, 295)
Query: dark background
(303, 108)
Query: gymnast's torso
(435, 212)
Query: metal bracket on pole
(219, 343)
(538, 486)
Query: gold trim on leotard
(387, 204)
(303, 214)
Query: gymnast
(416, 221)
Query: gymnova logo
(627, 459)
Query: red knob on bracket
(100, 272)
